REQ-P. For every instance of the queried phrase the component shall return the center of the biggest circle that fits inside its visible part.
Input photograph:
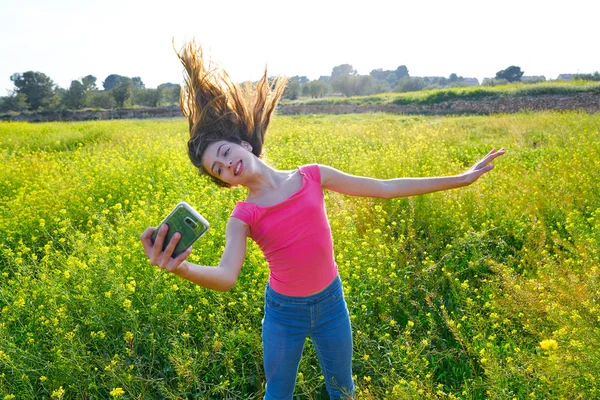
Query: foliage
(14, 102)
(292, 90)
(168, 94)
(354, 85)
(494, 82)
(35, 91)
(89, 82)
(465, 93)
(588, 77)
(301, 86)
(401, 72)
(511, 74)
(342, 70)
(113, 80)
(441, 96)
(488, 291)
(122, 93)
(74, 98)
(146, 97)
(37, 88)
(408, 84)
(100, 99)
(137, 82)
(533, 79)
(316, 89)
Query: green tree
(100, 99)
(292, 90)
(13, 102)
(366, 85)
(137, 82)
(344, 84)
(37, 88)
(74, 97)
(146, 97)
(401, 72)
(342, 70)
(296, 86)
(56, 101)
(316, 88)
(114, 80)
(355, 85)
(89, 82)
(588, 77)
(122, 93)
(511, 74)
(385, 76)
(408, 84)
(168, 93)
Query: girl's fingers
(163, 259)
(158, 243)
(174, 263)
(146, 239)
(490, 156)
(171, 246)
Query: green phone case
(185, 220)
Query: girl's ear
(246, 145)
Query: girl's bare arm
(337, 181)
(221, 278)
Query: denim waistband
(335, 285)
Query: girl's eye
(219, 171)
(226, 152)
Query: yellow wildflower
(117, 392)
(549, 344)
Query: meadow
(485, 292)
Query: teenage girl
(284, 213)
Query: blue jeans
(288, 321)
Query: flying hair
(217, 108)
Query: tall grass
(489, 291)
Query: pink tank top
(295, 237)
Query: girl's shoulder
(243, 211)
(312, 171)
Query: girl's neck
(266, 178)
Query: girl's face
(229, 162)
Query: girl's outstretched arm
(337, 181)
(221, 278)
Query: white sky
(69, 39)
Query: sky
(69, 39)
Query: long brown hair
(217, 108)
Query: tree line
(346, 81)
(34, 91)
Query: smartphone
(185, 220)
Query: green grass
(451, 294)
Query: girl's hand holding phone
(159, 257)
(168, 249)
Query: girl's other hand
(154, 251)
(482, 166)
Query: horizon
(67, 40)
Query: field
(489, 291)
